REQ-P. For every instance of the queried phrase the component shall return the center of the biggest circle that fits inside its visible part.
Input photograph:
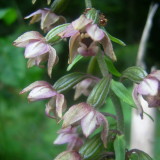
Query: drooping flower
(84, 87)
(69, 155)
(37, 50)
(148, 91)
(89, 119)
(85, 37)
(69, 135)
(47, 17)
(43, 90)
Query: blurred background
(25, 132)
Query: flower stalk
(88, 3)
(119, 112)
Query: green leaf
(111, 67)
(122, 92)
(119, 147)
(116, 40)
(76, 59)
(139, 155)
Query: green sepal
(135, 74)
(139, 155)
(93, 14)
(52, 35)
(122, 92)
(68, 81)
(99, 93)
(92, 149)
(75, 60)
(59, 6)
(119, 147)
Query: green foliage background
(25, 132)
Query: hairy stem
(102, 64)
(119, 112)
(88, 3)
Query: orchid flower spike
(37, 49)
(89, 119)
(47, 17)
(148, 91)
(85, 37)
(43, 90)
(69, 135)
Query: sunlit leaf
(122, 92)
(112, 69)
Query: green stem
(88, 3)
(102, 64)
(119, 112)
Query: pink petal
(137, 100)
(91, 51)
(148, 86)
(42, 92)
(89, 123)
(25, 38)
(34, 85)
(68, 32)
(60, 105)
(50, 107)
(81, 22)
(75, 113)
(51, 60)
(48, 18)
(65, 138)
(34, 13)
(95, 32)
(35, 49)
(103, 122)
(73, 46)
(108, 48)
(155, 74)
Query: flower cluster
(87, 38)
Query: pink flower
(42, 90)
(84, 87)
(85, 37)
(70, 136)
(89, 119)
(37, 50)
(48, 19)
(148, 91)
(68, 155)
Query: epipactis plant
(85, 128)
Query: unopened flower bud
(135, 74)
(68, 81)
(99, 92)
(92, 148)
